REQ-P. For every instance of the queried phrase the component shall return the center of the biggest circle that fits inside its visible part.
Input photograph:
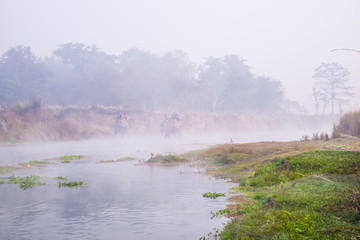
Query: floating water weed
(71, 184)
(213, 195)
(61, 178)
(118, 160)
(35, 163)
(72, 157)
(25, 182)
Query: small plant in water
(65, 161)
(61, 178)
(25, 182)
(213, 195)
(71, 184)
(35, 163)
(71, 157)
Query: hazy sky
(282, 39)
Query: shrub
(350, 124)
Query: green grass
(169, 158)
(213, 195)
(309, 163)
(35, 163)
(3, 170)
(118, 160)
(313, 195)
(61, 178)
(71, 184)
(26, 182)
(72, 157)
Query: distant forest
(79, 74)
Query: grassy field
(290, 190)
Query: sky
(282, 39)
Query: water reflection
(121, 201)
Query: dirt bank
(32, 122)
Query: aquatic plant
(61, 178)
(72, 157)
(29, 182)
(14, 180)
(26, 182)
(213, 195)
(65, 161)
(71, 184)
(118, 160)
(35, 163)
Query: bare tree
(331, 86)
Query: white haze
(283, 39)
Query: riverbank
(290, 190)
(28, 122)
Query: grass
(294, 190)
(169, 158)
(7, 169)
(71, 184)
(213, 195)
(35, 163)
(25, 182)
(350, 124)
(71, 157)
(309, 208)
(61, 178)
(118, 160)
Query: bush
(350, 124)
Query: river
(122, 200)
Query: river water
(122, 200)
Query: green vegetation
(316, 162)
(65, 161)
(213, 195)
(313, 195)
(294, 190)
(71, 184)
(61, 178)
(118, 160)
(72, 157)
(35, 163)
(25, 182)
(3, 170)
(169, 158)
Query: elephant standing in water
(171, 125)
(121, 125)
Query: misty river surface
(122, 200)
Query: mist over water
(123, 200)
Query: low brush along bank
(290, 190)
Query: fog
(281, 40)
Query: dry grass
(247, 157)
(33, 122)
(350, 124)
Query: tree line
(80, 74)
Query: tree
(330, 85)
(23, 76)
